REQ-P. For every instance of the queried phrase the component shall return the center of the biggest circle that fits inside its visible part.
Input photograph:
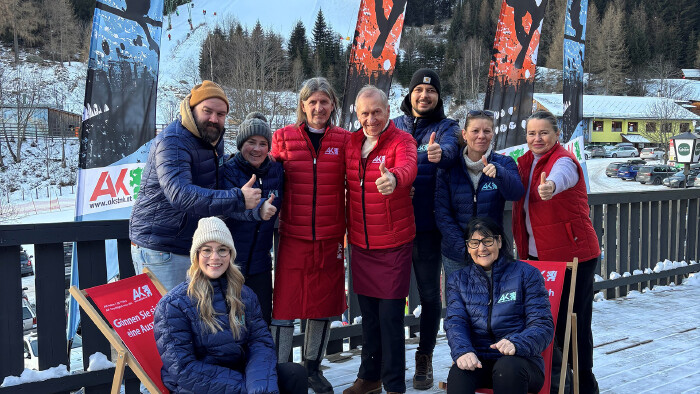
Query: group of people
(413, 193)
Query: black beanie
(427, 76)
(254, 124)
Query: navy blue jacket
(514, 304)
(178, 187)
(457, 201)
(252, 236)
(446, 131)
(198, 361)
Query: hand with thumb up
(434, 150)
(387, 182)
(489, 169)
(546, 187)
(268, 210)
(251, 194)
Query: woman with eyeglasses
(209, 329)
(551, 223)
(498, 318)
(478, 186)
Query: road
(600, 183)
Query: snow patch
(599, 296)
(626, 275)
(357, 320)
(30, 375)
(637, 272)
(598, 278)
(98, 361)
(614, 275)
(692, 279)
(336, 324)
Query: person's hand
(251, 194)
(504, 346)
(434, 150)
(468, 362)
(489, 169)
(546, 188)
(385, 183)
(268, 210)
(412, 192)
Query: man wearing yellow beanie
(181, 183)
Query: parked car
(28, 316)
(628, 171)
(678, 179)
(25, 263)
(638, 162)
(611, 169)
(67, 261)
(24, 294)
(655, 173)
(623, 151)
(652, 153)
(594, 151)
(31, 352)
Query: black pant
(261, 284)
(583, 308)
(291, 378)
(508, 375)
(427, 262)
(383, 342)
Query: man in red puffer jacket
(380, 168)
(310, 270)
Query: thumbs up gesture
(489, 169)
(434, 150)
(268, 210)
(251, 194)
(546, 188)
(387, 182)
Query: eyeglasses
(473, 113)
(207, 252)
(474, 243)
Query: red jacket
(376, 221)
(561, 226)
(314, 185)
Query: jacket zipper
(314, 156)
(488, 322)
(252, 247)
(364, 211)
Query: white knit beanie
(211, 229)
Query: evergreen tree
(636, 37)
(298, 49)
(612, 59)
(321, 40)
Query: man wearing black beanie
(436, 136)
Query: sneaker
(423, 378)
(362, 386)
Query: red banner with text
(129, 305)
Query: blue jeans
(169, 268)
(451, 266)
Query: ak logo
(332, 151)
(507, 297)
(489, 186)
(273, 193)
(423, 148)
(379, 160)
(141, 292)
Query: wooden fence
(636, 231)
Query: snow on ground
(600, 183)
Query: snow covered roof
(616, 107)
(691, 72)
(635, 138)
(677, 89)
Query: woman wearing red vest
(551, 223)
(310, 271)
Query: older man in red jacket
(380, 166)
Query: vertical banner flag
(512, 69)
(373, 53)
(574, 47)
(119, 117)
(128, 305)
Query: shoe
(316, 381)
(362, 386)
(423, 378)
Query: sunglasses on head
(480, 113)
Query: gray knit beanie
(254, 124)
(211, 229)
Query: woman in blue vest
(498, 317)
(252, 229)
(478, 186)
(209, 330)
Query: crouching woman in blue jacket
(209, 329)
(498, 317)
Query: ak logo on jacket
(379, 160)
(507, 297)
(489, 186)
(331, 151)
(423, 148)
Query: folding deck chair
(129, 304)
(554, 288)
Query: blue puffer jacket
(252, 236)
(198, 361)
(178, 187)
(457, 202)
(514, 305)
(446, 131)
